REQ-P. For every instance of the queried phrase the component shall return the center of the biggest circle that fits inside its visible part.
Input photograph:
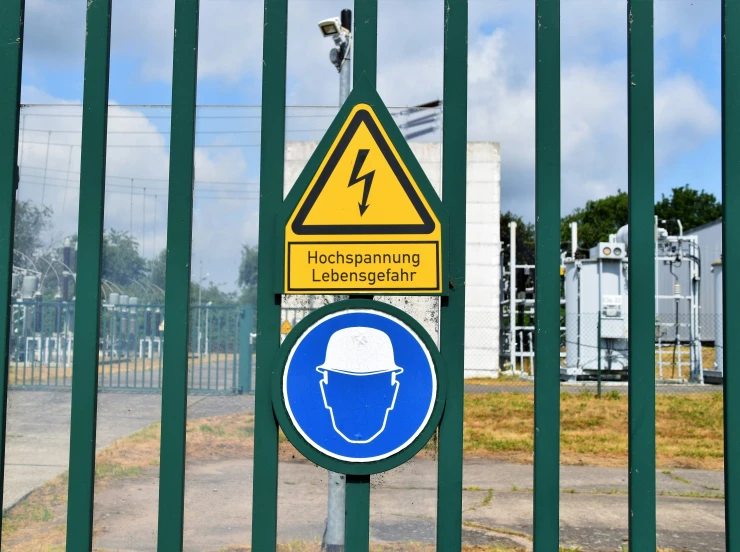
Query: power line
(163, 146)
(147, 179)
(205, 194)
(169, 132)
(127, 187)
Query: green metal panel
(89, 266)
(452, 316)
(547, 282)
(641, 275)
(731, 262)
(365, 41)
(177, 286)
(272, 158)
(357, 518)
(11, 53)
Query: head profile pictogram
(359, 377)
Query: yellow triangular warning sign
(363, 217)
(363, 187)
(285, 327)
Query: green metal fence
(131, 354)
(90, 323)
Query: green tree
(692, 207)
(248, 275)
(122, 263)
(601, 217)
(158, 269)
(210, 293)
(598, 219)
(524, 239)
(31, 222)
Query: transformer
(596, 314)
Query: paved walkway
(593, 506)
(218, 492)
(38, 429)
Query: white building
(483, 248)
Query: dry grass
(594, 431)
(37, 373)
(513, 381)
(43, 374)
(670, 362)
(670, 365)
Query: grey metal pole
(345, 76)
(200, 289)
(334, 537)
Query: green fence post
(272, 159)
(177, 284)
(90, 247)
(452, 317)
(357, 517)
(598, 355)
(547, 282)
(11, 53)
(731, 262)
(365, 54)
(246, 323)
(641, 186)
(365, 40)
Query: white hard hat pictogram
(360, 351)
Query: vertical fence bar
(365, 40)
(452, 317)
(357, 498)
(547, 282)
(11, 54)
(245, 350)
(177, 285)
(357, 519)
(218, 351)
(90, 247)
(234, 348)
(272, 158)
(731, 262)
(641, 275)
(135, 348)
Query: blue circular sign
(359, 385)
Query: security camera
(330, 27)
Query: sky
(410, 48)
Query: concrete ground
(593, 506)
(497, 499)
(38, 429)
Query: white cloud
(684, 117)
(138, 162)
(501, 72)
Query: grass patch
(594, 431)
(514, 381)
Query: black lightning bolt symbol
(366, 178)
